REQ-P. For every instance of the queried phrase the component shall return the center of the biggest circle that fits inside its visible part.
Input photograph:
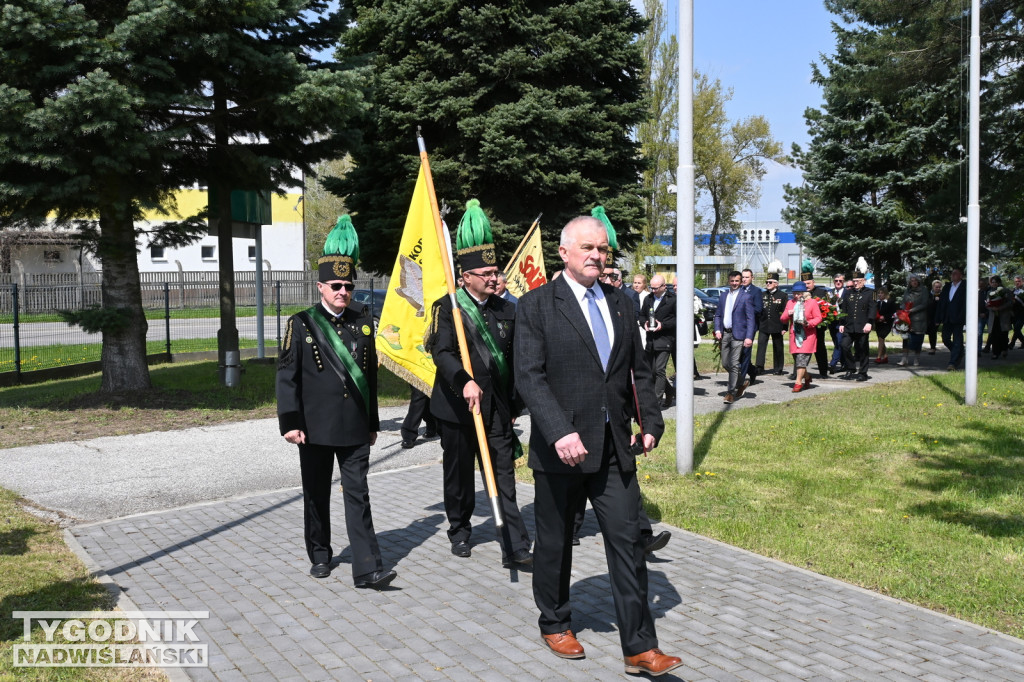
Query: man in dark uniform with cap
(327, 405)
(773, 302)
(856, 317)
(489, 324)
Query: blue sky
(763, 49)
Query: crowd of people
(587, 357)
(569, 352)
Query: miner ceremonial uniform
(771, 328)
(327, 405)
(489, 324)
(856, 311)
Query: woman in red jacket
(803, 315)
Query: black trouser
(998, 339)
(613, 493)
(855, 351)
(1018, 324)
(317, 464)
(419, 410)
(778, 350)
(461, 452)
(581, 511)
(746, 364)
(953, 339)
(821, 353)
(659, 362)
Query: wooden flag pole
(460, 334)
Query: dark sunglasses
(337, 286)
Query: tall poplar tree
(526, 105)
(658, 134)
(729, 159)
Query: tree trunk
(123, 357)
(227, 335)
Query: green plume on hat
(342, 239)
(807, 266)
(598, 212)
(474, 228)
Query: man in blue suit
(734, 328)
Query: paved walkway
(729, 614)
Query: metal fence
(182, 310)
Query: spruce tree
(106, 109)
(885, 174)
(525, 105)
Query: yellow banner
(525, 270)
(416, 282)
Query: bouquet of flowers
(901, 319)
(997, 297)
(829, 312)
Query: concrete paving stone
(866, 664)
(725, 663)
(202, 675)
(754, 653)
(897, 676)
(705, 595)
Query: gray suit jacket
(559, 377)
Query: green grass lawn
(39, 573)
(900, 488)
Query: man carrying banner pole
(487, 392)
(460, 334)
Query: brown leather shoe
(728, 399)
(564, 644)
(652, 662)
(743, 387)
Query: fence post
(277, 295)
(17, 340)
(167, 316)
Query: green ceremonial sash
(343, 354)
(469, 306)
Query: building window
(207, 252)
(157, 253)
(252, 253)
(53, 256)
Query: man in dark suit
(952, 312)
(576, 345)
(660, 307)
(747, 284)
(327, 405)
(489, 324)
(838, 296)
(857, 311)
(734, 329)
(617, 280)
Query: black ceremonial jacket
(773, 303)
(446, 401)
(312, 396)
(857, 309)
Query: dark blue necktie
(604, 346)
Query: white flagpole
(971, 273)
(685, 178)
